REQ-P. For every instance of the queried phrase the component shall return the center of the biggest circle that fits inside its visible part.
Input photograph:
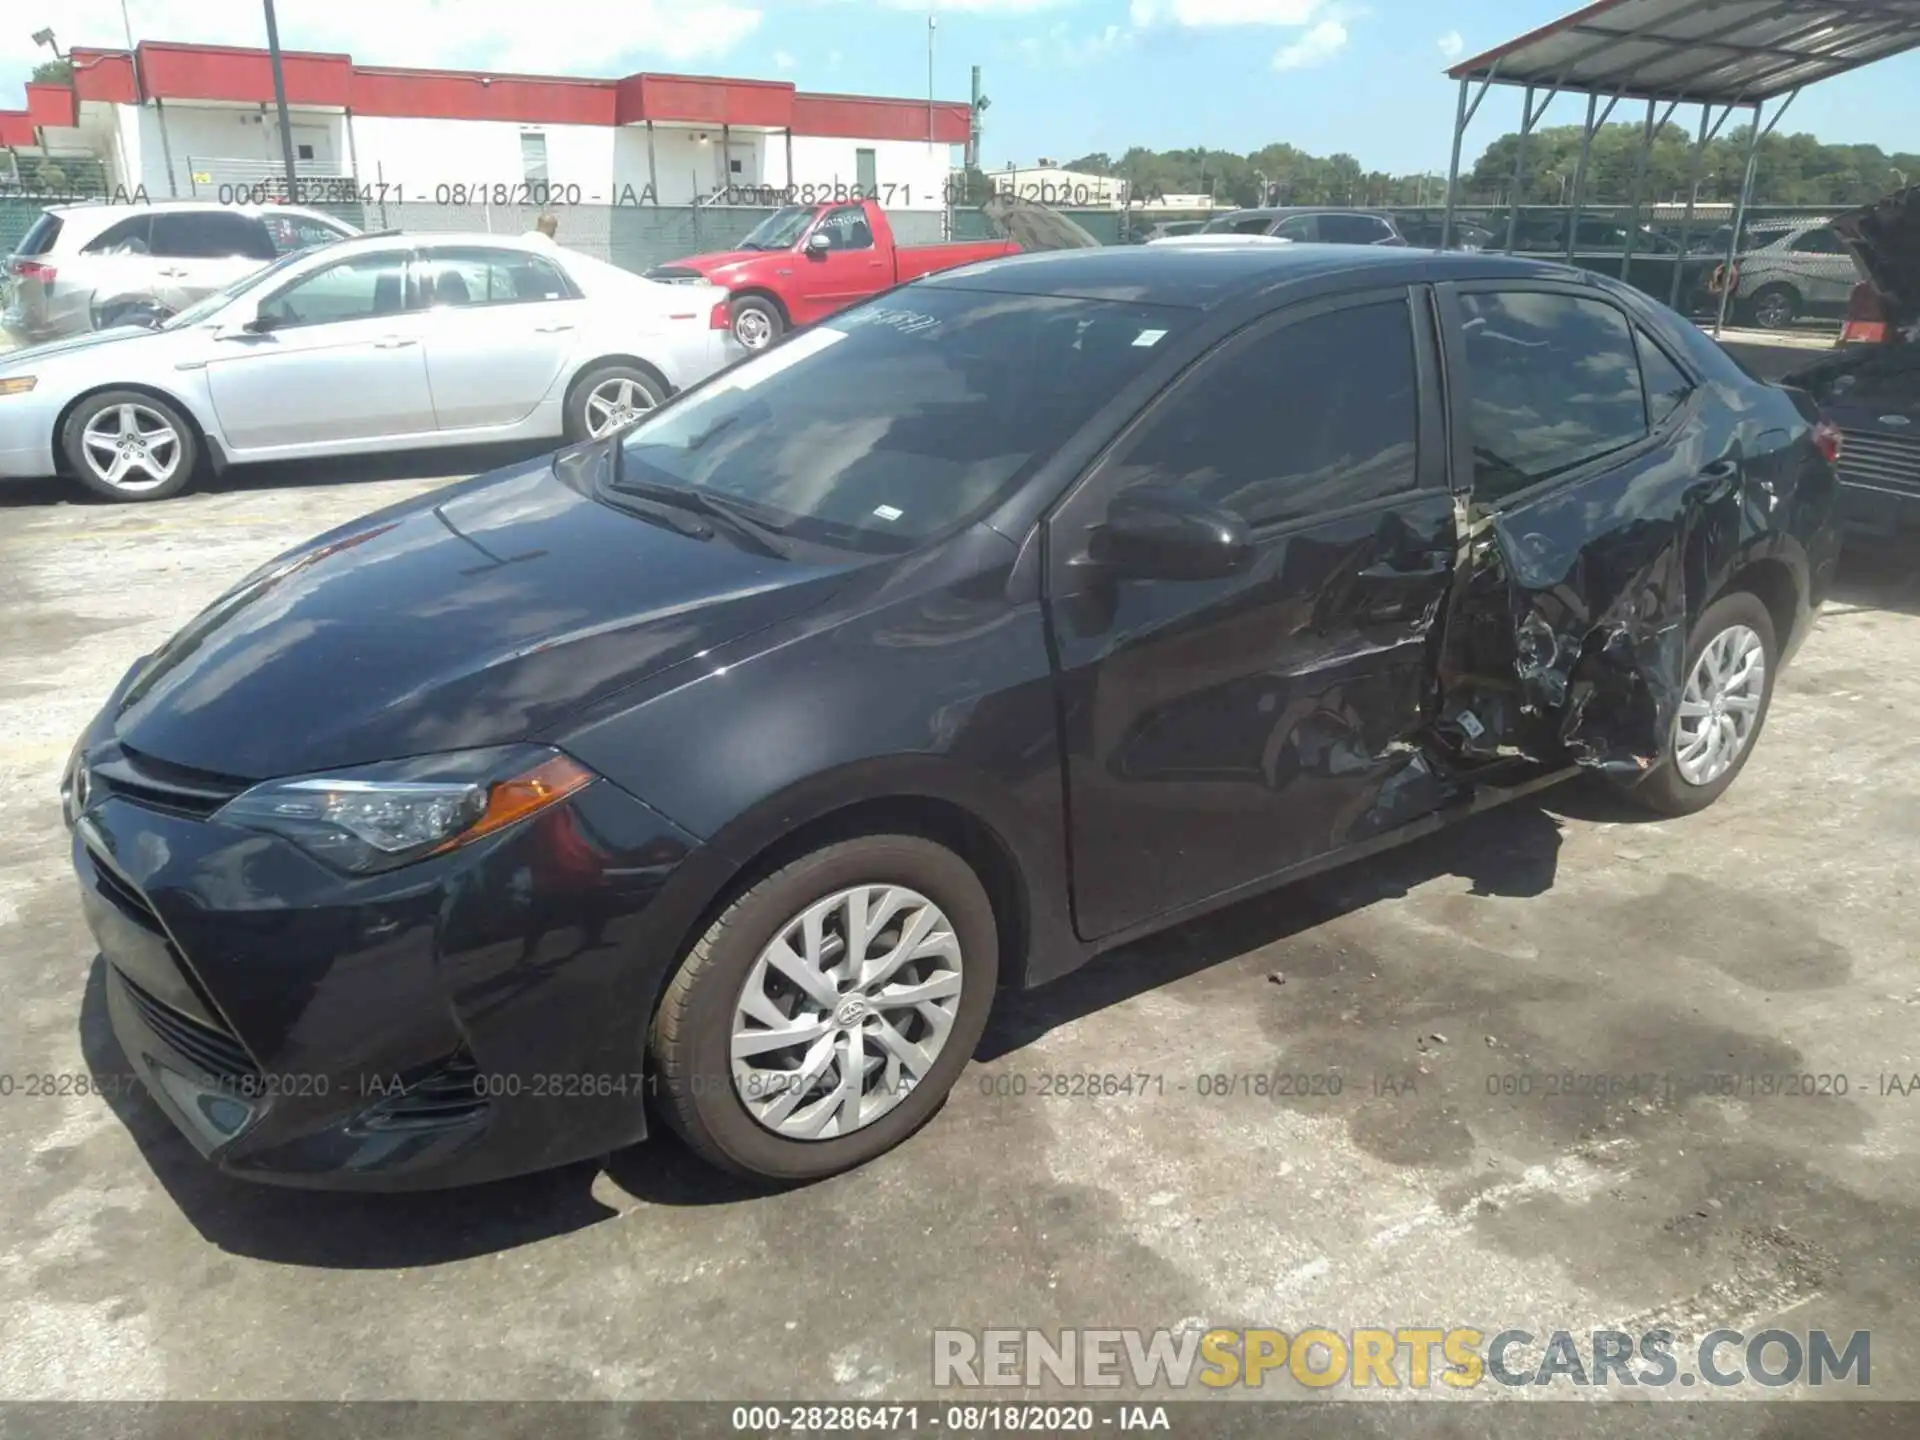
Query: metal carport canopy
(1716, 52)
(1711, 53)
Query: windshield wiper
(741, 517)
(645, 507)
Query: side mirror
(261, 324)
(818, 243)
(1160, 532)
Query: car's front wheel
(1731, 659)
(1775, 307)
(757, 322)
(129, 445)
(825, 1014)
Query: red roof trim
(53, 105)
(16, 128)
(227, 72)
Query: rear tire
(721, 994)
(1775, 307)
(127, 445)
(1692, 772)
(608, 398)
(757, 322)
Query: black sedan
(721, 773)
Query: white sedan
(386, 342)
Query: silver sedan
(368, 345)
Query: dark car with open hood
(721, 773)
(1869, 384)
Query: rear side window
(1667, 385)
(126, 237)
(1353, 229)
(1554, 382)
(40, 236)
(1307, 419)
(482, 276)
(210, 235)
(1819, 242)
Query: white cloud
(1316, 47)
(1451, 44)
(1060, 48)
(1208, 13)
(470, 34)
(783, 60)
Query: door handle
(394, 342)
(550, 329)
(173, 274)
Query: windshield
(780, 229)
(208, 306)
(904, 418)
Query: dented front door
(1220, 731)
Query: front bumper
(473, 1016)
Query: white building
(200, 120)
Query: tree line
(1790, 170)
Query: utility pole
(280, 103)
(973, 122)
(932, 24)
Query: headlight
(377, 817)
(17, 384)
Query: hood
(1885, 240)
(1035, 227)
(693, 267)
(477, 616)
(30, 355)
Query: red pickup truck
(804, 262)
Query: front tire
(127, 445)
(1775, 307)
(826, 1013)
(757, 322)
(1732, 657)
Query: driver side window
(362, 288)
(846, 229)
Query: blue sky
(1065, 76)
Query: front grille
(214, 1050)
(1880, 461)
(162, 785)
(449, 1096)
(127, 900)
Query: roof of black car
(1200, 276)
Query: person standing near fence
(547, 227)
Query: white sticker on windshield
(887, 512)
(1149, 337)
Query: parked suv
(1310, 224)
(1791, 269)
(95, 266)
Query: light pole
(932, 24)
(280, 103)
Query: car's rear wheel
(1731, 660)
(129, 445)
(609, 398)
(757, 322)
(1775, 307)
(826, 1013)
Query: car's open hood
(480, 615)
(1885, 240)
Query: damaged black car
(718, 774)
(1869, 384)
